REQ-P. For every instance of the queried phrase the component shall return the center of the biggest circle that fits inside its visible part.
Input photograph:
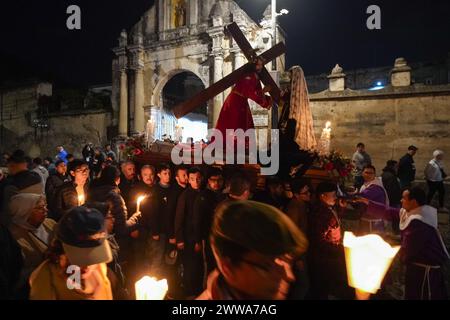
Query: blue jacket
(62, 155)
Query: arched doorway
(179, 88)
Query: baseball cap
(83, 236)
(258, 227)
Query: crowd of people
(209, 234)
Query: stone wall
(387, 121)
(429, 73)
(22, 126)
(70, 129)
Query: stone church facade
(176, 36)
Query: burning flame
(139, 200)
(367, 258)
(80, 200)
(149, 288)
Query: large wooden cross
(199, 99)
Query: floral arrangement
(134, 146)
(335, 163)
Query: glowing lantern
(368, 259)
(151, 289)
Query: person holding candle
(158, 223)
(80, 242)
(73, 193)
(55, 181)
(144, 186)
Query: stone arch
(156, 99)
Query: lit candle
(139, 200)
(367, 258)
(80, 199)
(149, 288)
(178, 133)
(325, 139)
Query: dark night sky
(35, 41)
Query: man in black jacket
(406, 168)
(204, 208)
(391, 183)
(158, 220)
(19, 180)
(127, 180)
(188, 235)
(73, 193)
(274, 194)
(55, 181)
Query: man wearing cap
(81, 247)
(406, 168)
(326, 255)
(19, 180)
(255, 246)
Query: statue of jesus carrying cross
(246, 82)
(235, 113)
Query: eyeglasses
(41, 208)
(275, 265)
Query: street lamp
(275, 14)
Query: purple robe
(421, 245)
(422, 251)
(374, 193)
(377, 206)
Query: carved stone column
(123, 108)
